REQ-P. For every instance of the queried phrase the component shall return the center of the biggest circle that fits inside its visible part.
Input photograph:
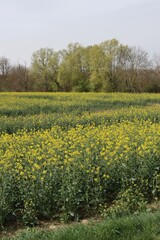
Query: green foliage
(45, 64)
(106, 67)
(72, 75)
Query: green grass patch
(145, 226)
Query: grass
(145, 226)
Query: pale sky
(28, 25)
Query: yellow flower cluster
(91, 148)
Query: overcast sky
(28, 25)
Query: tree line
(109, 67)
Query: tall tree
(72, 74)
(44, 68)
(18, 79)
(98, 68)
(153, 85)
(137, 65)
(116, 59)
(5, 67)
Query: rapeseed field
(71, 155)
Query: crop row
(59, 172)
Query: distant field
(34, 111)
(72, 155)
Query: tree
(98, 68)
(137, 65)
(126, 66)
(72, 74)
(117, 55)
(18, 79)
(44, 68)
(4, 72)
(153, 84)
